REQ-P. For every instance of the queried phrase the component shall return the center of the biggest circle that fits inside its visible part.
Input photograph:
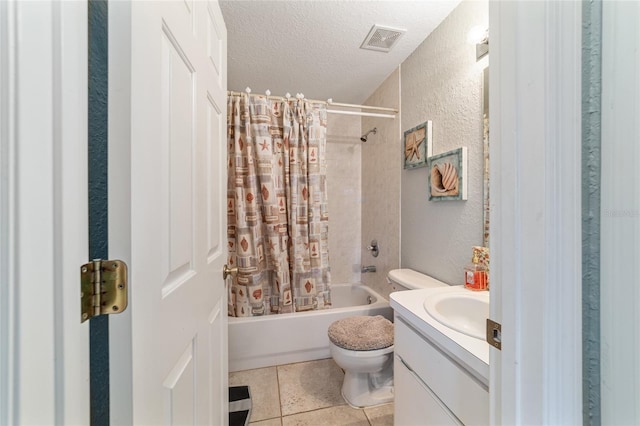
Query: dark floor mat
(239, 405)
(238, 418)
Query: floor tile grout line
(323, 408)
(367, 417)
(333, 406)
(279, 392)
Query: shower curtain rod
(330, 102)
(360, 113)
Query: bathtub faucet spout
(371, 268)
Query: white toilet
(363, 347)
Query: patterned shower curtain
(277, 206)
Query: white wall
(620, 214)
(441, 81)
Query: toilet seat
(362, 333)
(361, 354)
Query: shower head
(364, 137)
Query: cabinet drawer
(464, 395)
(415, 404)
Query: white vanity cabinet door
(415, 404)
(461, 393)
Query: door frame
(44, 363)
(120, 331)
(535, 96)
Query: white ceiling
(313, 47)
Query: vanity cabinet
(415, 403)
(432, 388)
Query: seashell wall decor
(448, 175)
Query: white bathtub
(256, 342)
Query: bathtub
(256, 342)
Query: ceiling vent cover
(381, 38)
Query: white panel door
(178, 361)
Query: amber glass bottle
(475, 274)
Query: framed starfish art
(417, 146)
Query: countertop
(470, 352)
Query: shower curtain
(277, 205)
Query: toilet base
(366, 390)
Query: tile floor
(305, 393)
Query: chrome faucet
(373, 248)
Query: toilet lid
(362, 333)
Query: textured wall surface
(381, 156)
(344, 192)
(441, 81)
(591, 176)
(98, 12)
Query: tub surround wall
(441, 81)
(381, 156)
(344, 195)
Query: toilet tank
(408, 279)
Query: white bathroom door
(177, 171)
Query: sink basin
(464, 311)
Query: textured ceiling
(313, 47)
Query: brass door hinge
(494, 334)
(103, 288)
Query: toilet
(363, 347)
